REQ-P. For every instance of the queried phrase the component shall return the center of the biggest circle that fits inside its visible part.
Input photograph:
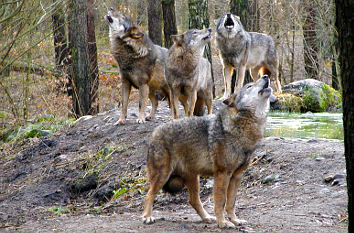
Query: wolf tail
(262, 71)
(199, 107)
(174, 184)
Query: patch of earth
(90, 177)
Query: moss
(290, 102)
(330, 97)
(312, 101)
(320, 102)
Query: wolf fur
(141, 64)
(189, 74)
(243, 50)
(218, 145)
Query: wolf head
(252, 98)
(118, 23)
(228, 26)
(193, 39)
(137, 40)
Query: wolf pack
(218, 145)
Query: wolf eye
(249, 86)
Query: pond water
(306, 126)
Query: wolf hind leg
(157, 180)
(143, 93)
(192, 184)
(209, 101)
(126, 89)
(154, 104)
(159, 170)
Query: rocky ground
(90, 177)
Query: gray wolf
(218, 145)
(141, 64)
(243, 50)
(188, 74)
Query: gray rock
(298, 88)
(268, 179)
(324, 191)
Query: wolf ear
(178, 39)
(230, 101)
(135, 32)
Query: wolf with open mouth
(141, 64)
(218, 145)
(243, 50)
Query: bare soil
(65, 183)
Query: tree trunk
(310, 40)
(345, 28)
(155, 21)
(80, 75)
(59, 36)
(92, 53)
(169, 21)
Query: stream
(306, 125)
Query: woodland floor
(64, 183)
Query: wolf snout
(109, 18)
(229, 23)
(266, 79)
(228, 15)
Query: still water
(306, 126)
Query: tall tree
(248, 11)
(60, 38)
(169, 21)
(345, 28)
(80, 75)
(155, 21)
(310, 39)
(92, 53)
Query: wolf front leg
(192, 184)
(234, 184)
(192, 98)
(221, 182)
(175, 93)
(240, 77)
(228, 69)
(126, 88)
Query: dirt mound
(95, 167)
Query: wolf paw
(149, 118)
(226, 224)
(140, 121)
(120, 122)
(238, 221)
(209, 219)
(148, 220)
